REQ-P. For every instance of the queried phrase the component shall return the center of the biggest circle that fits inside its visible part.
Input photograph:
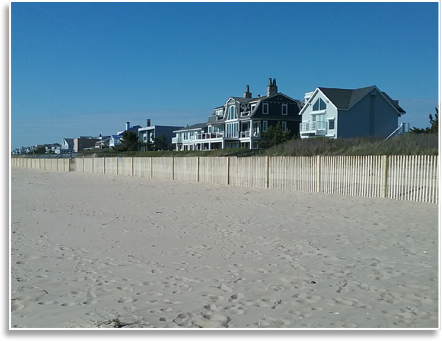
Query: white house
(344, 113)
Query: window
(284, 125)
(232, 129)
(232, 113)
(320, 118)
(319, 105)
(284, 109)
(253, 107)
(265, 108)
(331, 124)
(264, 125)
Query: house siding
(275, 113)
(372, 116)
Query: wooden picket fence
(402, 177)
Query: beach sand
(106, 251)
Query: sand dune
(92, 251)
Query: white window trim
(286, 109)
(228, 113)
(265, 105)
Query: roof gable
(344, 99)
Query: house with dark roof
(240, 121)
(345, 113)
(188, 138)
(67, 145)
(147, 135)
(115, 140)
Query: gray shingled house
(345, 113)
(240, 121)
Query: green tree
(160, 142)
(38, 150)
(434, 125)
(274, 136)
(129, 142)
(147, 146)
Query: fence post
(384, 175)
(318, 173)
(228, 169)
(151, 171)
(116, 159)
(197, 169)
(173, 168)
(132, 166)
(267, 171)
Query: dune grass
(409, 144)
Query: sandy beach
(103, 251)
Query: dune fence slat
(399, 177)
(185, 169)
(214, 170)
(141, 167)
(124, 165)
(162, 168)
(248, 172)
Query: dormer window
(232, 113)
(319, 105)
(284, 109)
(265, 108)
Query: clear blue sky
(87, 68)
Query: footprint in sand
(211, 321)
(216, 298)
(235, 297)
(303, 298)
(350, 302)
(184, 319)
(236, 310)
(126, 300)
(90, 302)
(224, 287)
(17, 306)
(264, 302)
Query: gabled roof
(395, 103)
(193, 127)
(69, 140)
(346, 98)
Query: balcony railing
(218, 135)
(177, 140)
(206, 136)
(314, 126)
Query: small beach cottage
(345, 113)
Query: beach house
(345, 113)
(240, 121)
